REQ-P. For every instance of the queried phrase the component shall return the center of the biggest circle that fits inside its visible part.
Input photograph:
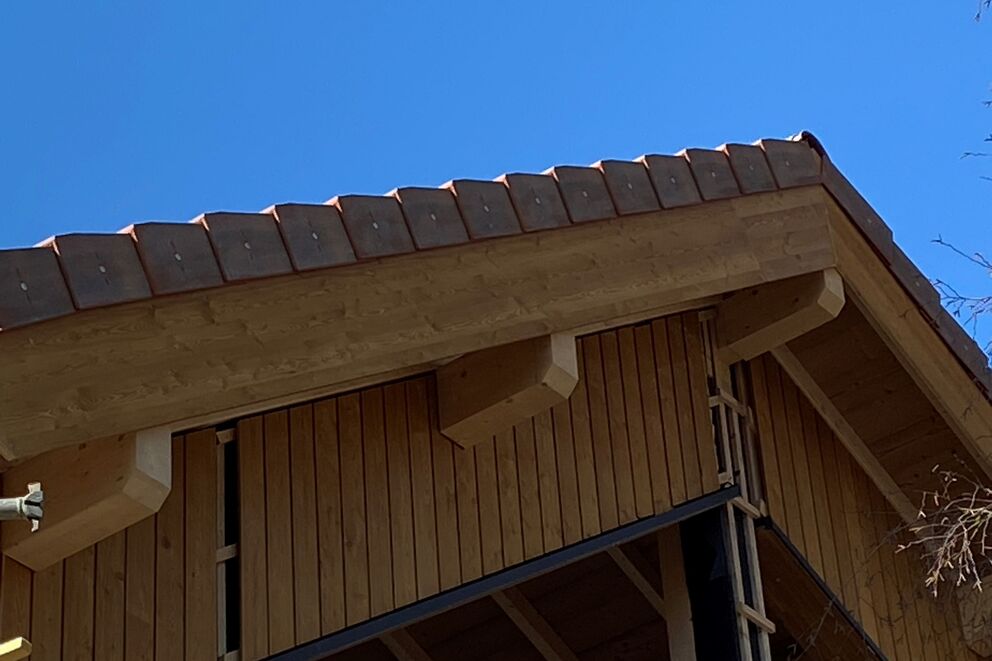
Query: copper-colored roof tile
(713, 175)
(101, 269)
(793, 163)
(432, 216)
(247, 245)
(672, 179)
(750, 167)
(314, 235)
(485, 207)
(176, 256)
(584, 192)
(375, 225)
(629, 186)
(537, 201)
(32, 288)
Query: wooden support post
(489, 391)
(848, 436)
(678, 616)
(635, 568)
(92, 491)
(533, 625)
(402, 645)
(756, 320)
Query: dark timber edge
(506, 578)
(834, 600)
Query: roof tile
(584, 192)
(537, 201)
(792, 162)
(432, 216)
(713, 175)
(375, 225)
(629, 186)
(247, 245)
(750, 167)
(101, 269)
(314, 235)
(485, 207)
(177, 256)
(672, 179)
(32, 288)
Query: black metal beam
(463, 594)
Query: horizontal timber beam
(92, 491)
(489, 391)
(193, 356)
(533, 625)
(758, 319)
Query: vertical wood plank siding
(845, 528)
(356, 504)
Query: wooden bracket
(15, 649)
(92, 491)
(756, 320)
(489, 391)
(533, 625)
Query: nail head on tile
(24, 286)
(101, 268)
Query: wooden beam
(15, 649)
(632, 564)
(402, 645)
(678, 618)
(758, 319)
(533, 625)
(91, 492)
(489, 391)
(925, 356)
(199, 356)
(846, 434)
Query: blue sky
(118, 112)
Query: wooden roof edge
(82, 271)
(909, 276)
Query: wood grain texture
(296, 335)
(252, 542)
(303, 496)
(278, 532)
(78, 606)
(108, 617)
(200, 607)
(170, 546)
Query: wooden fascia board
(899, 321)
(170, 360)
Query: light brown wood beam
(195, 358)
(533, 625)
(15, 649)
(489, 391)
(91, 491)
(848, 437)
(681, 636)
(402, 645)
(920, 350)
(758, 319)
(632, 564)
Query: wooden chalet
(677, 408)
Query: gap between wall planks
(402, 512)
(850, 524)
(547, 483)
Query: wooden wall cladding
(355, 505)
(840, 522)
(146, 593)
